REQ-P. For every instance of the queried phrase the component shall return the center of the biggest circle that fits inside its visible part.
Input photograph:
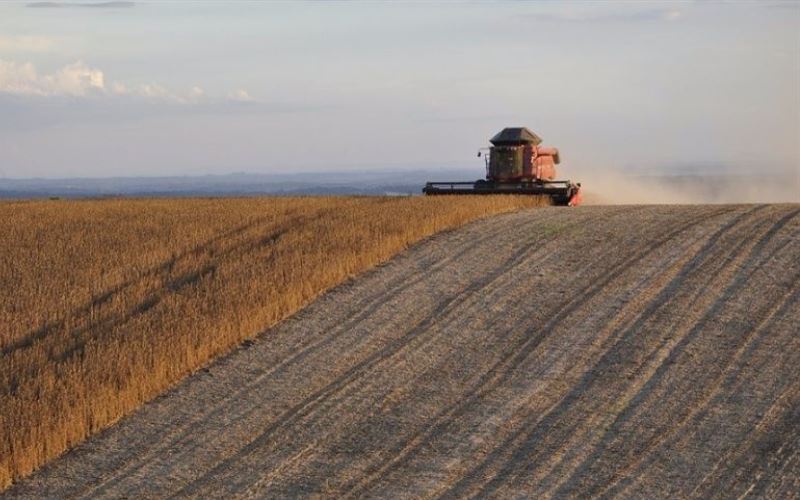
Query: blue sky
(171, 88)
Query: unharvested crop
(104, 304)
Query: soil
(627, 351)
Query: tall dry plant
(105, 304)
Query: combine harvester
(516, 164)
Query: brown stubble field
(106, 303)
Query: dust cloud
(614, 188)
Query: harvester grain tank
(516, 163)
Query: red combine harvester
(516, 164)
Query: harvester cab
(516, 163)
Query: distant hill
(334, 183)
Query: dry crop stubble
(106, 303)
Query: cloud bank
(80, 80)
(76, 79)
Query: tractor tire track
(513, 356)
(378, 299)
(572, 439)
(366, 306)
(552, 353)
(764, 324)
(728, 262)
(514, 451)
(356, 373)
(509, 270)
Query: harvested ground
(599, 351)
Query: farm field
(633, 351)
(105, 304)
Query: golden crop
(105, 304)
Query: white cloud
(118, 88)
(76, 79)
(155, 91)
(79, 80)
(152, 90)
(18, 78)
(240, 95)
(25, 43)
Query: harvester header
(516, 163)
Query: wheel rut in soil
(642, 351)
